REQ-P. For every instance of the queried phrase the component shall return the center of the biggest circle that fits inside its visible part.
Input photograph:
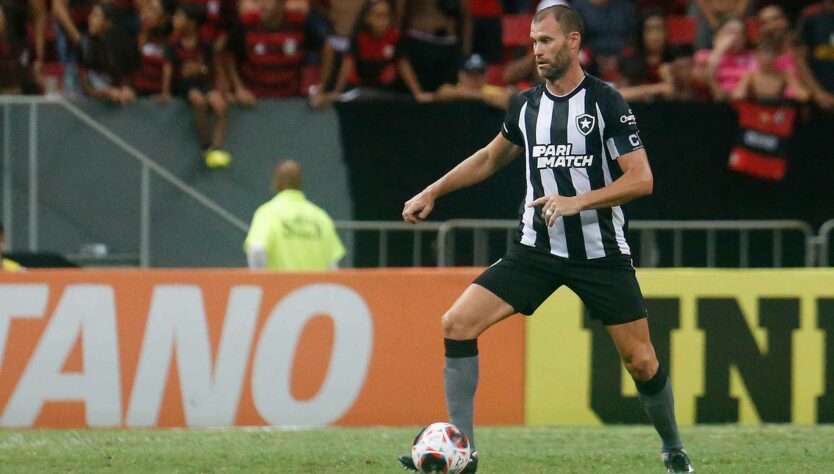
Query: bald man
(289, 232)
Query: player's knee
(455, 326)
(641, 363)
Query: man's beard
(558, 67)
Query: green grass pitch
(620, 449)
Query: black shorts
(183, 87)
(526, 276)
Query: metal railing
(647, 230)
(148, 166)
(349, 230)
(823, 242)
(777, 228)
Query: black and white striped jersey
(571, 143)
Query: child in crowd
(187, 74)
(107, 57)
(374, 61)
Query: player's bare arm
(635, 182)
(478, 167)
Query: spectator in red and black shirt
(374, 61)
(153, 40)
(187, 73)
(270, 54)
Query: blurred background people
(291, 233)
(472, 85)
(268, 52)
(437, 35)
(107, 58)
(609, 28)
(70, 24)
(815, 53)
(375, 65)
(643, 69)
(711, 14)
(720, 69)
(152, 43)
(767, 82)
(16, 74)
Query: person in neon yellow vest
(290, 233)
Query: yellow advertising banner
(742, 346)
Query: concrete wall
(89, 189)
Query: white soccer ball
(441, 447)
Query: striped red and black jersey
(148, 78)
(375, 58)
(270, 60)
(765, 128)
(179, 55)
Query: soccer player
(584, 159)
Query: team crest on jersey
(585, 124)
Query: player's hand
(554, 206)
(418, 208)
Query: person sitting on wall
(6, 264)
(291, 233)
(188, 73)
(472, 84)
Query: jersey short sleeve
(510, 129)
(621, 134)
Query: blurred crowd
(217, 52)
